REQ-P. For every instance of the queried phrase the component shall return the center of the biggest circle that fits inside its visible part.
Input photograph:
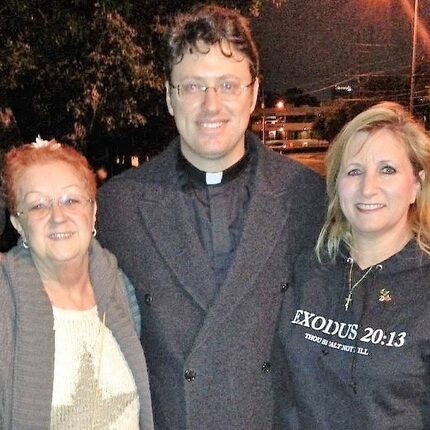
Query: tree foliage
(70, 67)
(330, 122)
(89, 73)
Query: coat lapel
(266, 218)
(167, 217)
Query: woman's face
(55, 217)
(377, 185)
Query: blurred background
(90, 73)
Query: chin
(66, 255)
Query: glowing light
(423, 33)
(344, 88)
(134, 161)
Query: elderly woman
(355, 326)
(70, 356)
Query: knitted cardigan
(27, 338)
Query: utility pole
(413, 65)
(263, 118)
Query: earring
(94, 232)
(25, 244)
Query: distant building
(276, 125)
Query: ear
(420, 180)
(94, 213)
(255, 88)
(168, 98)
(17, 225)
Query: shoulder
(284, 172)
(307, 266)
(291, 171)
(302, 188)
(5, 293)
(314, 284)
(411, 260)
(306, 262)
(7, 307)
(150, 171)
(149, 181)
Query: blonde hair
(395, 118)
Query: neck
(68, 285)
(214, 164)
(368, 251)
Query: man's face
(211, 123)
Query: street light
(414, 44)
(280, 104)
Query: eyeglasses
(41, 206)
(227, 89)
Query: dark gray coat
(209, 366)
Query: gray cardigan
(27, 338)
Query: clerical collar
(208, 178)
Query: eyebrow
(217, 78)
(63, 190)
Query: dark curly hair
(211, 24)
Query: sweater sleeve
(132, 301)
(6, 349)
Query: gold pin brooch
(384, 295)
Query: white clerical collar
(213, 178)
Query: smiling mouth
(369, 206)
(60, 236)
(211, 125)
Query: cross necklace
(352, 287)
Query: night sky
(313, 44)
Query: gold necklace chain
(348, 298)
(101, 333)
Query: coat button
(147, 299)
(266, 367)
(190, 375)
(284, 287)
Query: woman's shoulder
(7, 266)
(313, 278)
(308, 261)
(6, 297)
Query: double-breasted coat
(209, 361)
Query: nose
(369, 183)
(57, 213)
(211, 100)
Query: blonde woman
(355, 326)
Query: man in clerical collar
(207, 232)
(212, 89)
